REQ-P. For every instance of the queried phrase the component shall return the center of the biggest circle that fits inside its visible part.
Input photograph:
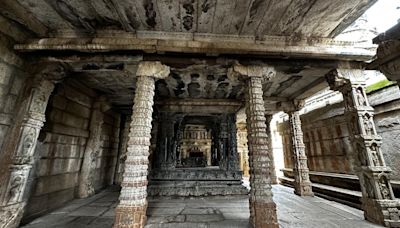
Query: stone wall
(61, 148)
(327, 143)
(12, 77)
(107, 158)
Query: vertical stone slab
(17, 154)
(302, 183)
(262, 207)
(378, 202)
(274, 179)
(92, 150)
(131, 210)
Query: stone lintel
(155, 42)
(265, 72)
(152, 69)
(285, 106)
(199, 106)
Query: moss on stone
(379, 85)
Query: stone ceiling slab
(317, 18)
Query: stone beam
(198, 43)
(199, 106)
(13, 10)
(378, 202)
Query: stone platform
(213, 211)
(210, 181)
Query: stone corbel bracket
(243, 72)
(290, 106)
(342, 79)
(153, 69)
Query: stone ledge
(278, 46)
(346, 189)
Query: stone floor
(293, 211)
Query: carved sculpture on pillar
(262, 206)
(378, 201)
(18, 149)
(274, 179)
(92, 149)
(131, 210)
(302, 183)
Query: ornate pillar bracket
(388, 59)
(92, 149)
(18, 150)
(302, 183)
(131, 210)
(378, 201)
(262, 206)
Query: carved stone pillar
(302, 183)
(378, 201)
(18, 151)
(93, 147)
(131, 210)
(233, 156)
(262, 206)
(123, 147)
(274, 179)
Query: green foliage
(379, 85)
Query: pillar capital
(342, 79)
(152, 69)
(54, 72)
(264, 72)
(291, 106)
(388, 63)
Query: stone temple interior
(123, 104)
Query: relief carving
(361, 101)
(374, 155)
(368, 125)
(384, 189)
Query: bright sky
(384, 14)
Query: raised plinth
(195, 182)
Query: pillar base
(263, 215)
(11, 215)
(384, 212)
(130, 217)
(303, 190)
